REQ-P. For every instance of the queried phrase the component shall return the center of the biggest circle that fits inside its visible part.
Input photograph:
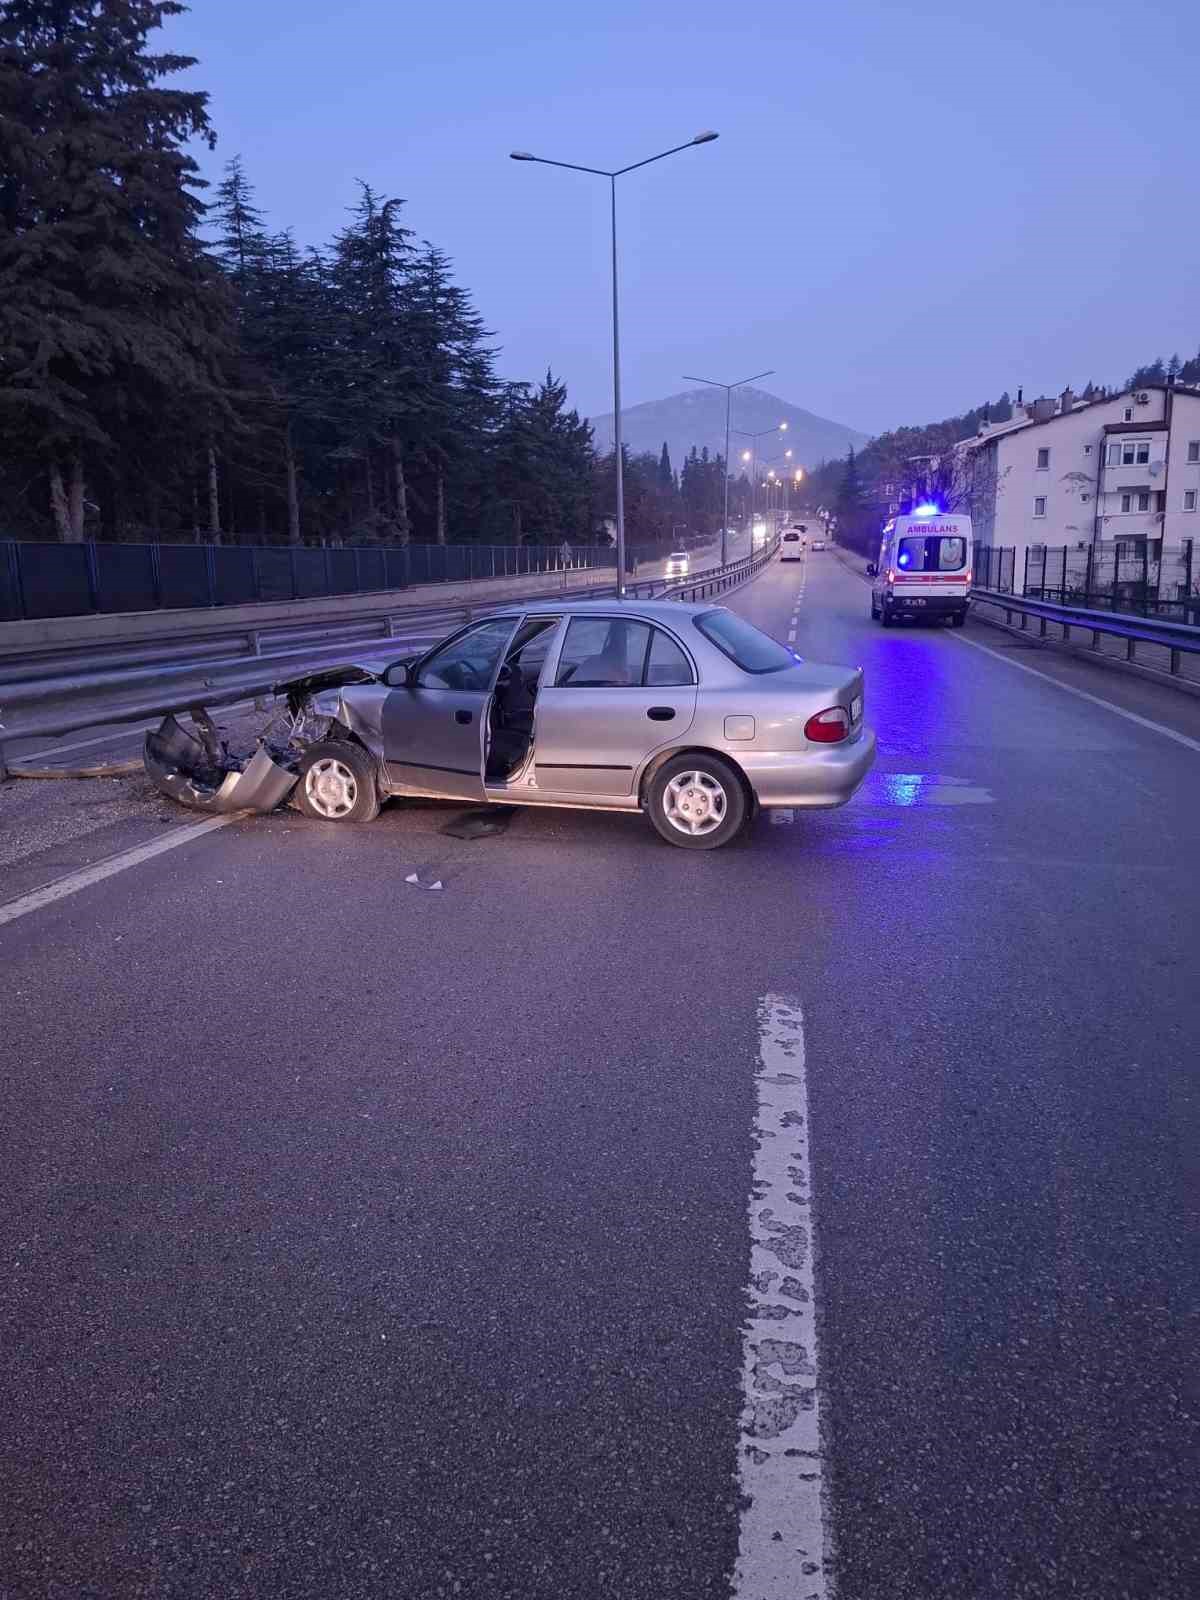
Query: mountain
(697, 417)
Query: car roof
(656, 610)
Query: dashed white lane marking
(1082, 694)
(782, 1540)
(99, 870)
(791, 635)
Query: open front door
(434, 729)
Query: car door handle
(462, 716)
(661, 713)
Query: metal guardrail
(55, 693)
(1179, 638)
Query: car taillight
(891, 575)
(828, 727)
(967, 575)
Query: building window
(1160, 499)
(1114, 455)
(1189, 499)
(1144, 500)
(1039, 506)
(1194, 449)
(1087, 449)
(1128, 413)
(1134, 453)
(1043, 460)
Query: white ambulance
(924, 568)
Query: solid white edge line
(98, 871)
(783, 1544)
(1082, 694)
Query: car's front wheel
(337, 783)
(697, 802)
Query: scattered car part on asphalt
(415, 880)
(481, 824)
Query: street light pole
(618, 447)
(612, 176)
(754, 438)
(728, 388)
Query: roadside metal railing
(1179, 639)
(48, 694)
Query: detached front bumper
(181, 767)
(816, 778)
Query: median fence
(70, 580)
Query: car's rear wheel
(886, 617)
(959, 619)
(337, 783)
(697, 802)
(874, 611)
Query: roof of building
(1159, 426)
(1017, 424)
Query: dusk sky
(910, 207)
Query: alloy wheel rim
(330, 788)
(695, 803)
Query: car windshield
(679, 555)
(743, 643)
(932, 553)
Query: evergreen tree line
(172, 366)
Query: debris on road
(480, 824)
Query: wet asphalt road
(362, 1241)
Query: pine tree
(666, 478)
(372, 261)
(113, 323)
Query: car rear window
(743, 643)
(932, 553)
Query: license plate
(856, 709)
(916, 602)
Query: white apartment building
(1077, 471)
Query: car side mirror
(872, 569)
(401, 674)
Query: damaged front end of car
(197, 767)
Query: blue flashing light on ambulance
(924, 568)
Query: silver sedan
(685, 712)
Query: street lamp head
(787, 455)
(706, 137)
(520, 155)
(783, 427)
(745, 455)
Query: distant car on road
(791, 546)
(679, 564)
(818, 544)
(687, 713)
